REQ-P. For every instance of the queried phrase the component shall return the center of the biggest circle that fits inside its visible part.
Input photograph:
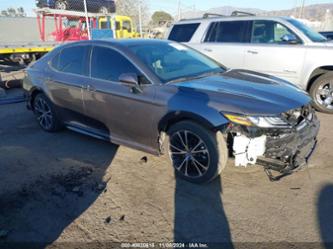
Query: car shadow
(199, 213)
(47, 180)
(325, 215)
(200, 216)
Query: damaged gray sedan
(164, 98)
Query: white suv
(280, 46)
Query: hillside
(223, 10)
(315, 12)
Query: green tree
(161, 16)
(20, 12)
(11, 12)
(4, 13)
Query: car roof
(121, 42)
(232, 18)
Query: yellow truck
(124, 27)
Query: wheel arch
(177, 116)
(32, 95)
(316, 73)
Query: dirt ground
(66, 187)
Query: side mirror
(290, 39)
(132, 81)
(129, 79)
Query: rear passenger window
(229, 31)
(73, 60)
(108, 64)
(183, 32)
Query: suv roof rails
(241, 13)
(234, 13)
(206, 15)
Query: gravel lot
(66, 187)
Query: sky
(171, 5)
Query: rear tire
(197, 154)
(46, 114)
(322, 93)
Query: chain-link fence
(76, 19)
(68, 20)
(91, 6)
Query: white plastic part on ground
(247, 150)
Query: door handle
(252, 52)
(208, 49)
(289, 71)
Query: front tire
(322, 93)
(197, 154)
(46, 114)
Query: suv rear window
(183, 32)
(229, 31)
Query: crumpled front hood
(246, 92)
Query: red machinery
(75, 29)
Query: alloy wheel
(189, 154)
(60, 5)
(103, 10)
(324, 95)
(43, 113)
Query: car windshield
(173, 61)
(311, 34)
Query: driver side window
(108, 64)
(269, 32)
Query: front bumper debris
(289, 152)
(285, 151)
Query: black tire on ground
(46, 113)
(203, 161)
(324, 80)
(61, 5)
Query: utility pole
(302, 9)
(140, 18)
(179, 10)
(87, 18)
(327, 21)
(295, 14)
